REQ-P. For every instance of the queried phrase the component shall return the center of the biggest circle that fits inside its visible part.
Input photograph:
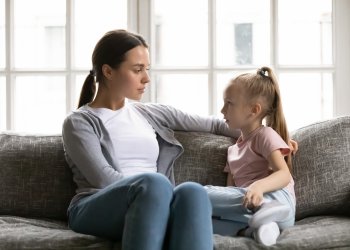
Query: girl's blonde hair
(263, 84)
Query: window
(48, 56)
(2, 34)
(196, 47)
(195, 55)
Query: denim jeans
(146, 212)
(230, 216)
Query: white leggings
(229, 215)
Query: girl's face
(236, 109)
(129, 80)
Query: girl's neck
(250, 128)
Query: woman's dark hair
(110, 50)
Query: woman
(122, 154)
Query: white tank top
(134, 140)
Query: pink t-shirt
(247, 159)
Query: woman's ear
(107, 71)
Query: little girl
(259, 199)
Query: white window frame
(140, 20)
(339, 69)
(69, 72)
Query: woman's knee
(191, 191)
(153, 185)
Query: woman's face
(130, 78)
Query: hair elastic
(92, 72)
(262, 72)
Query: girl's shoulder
(267, 133)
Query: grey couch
(36, 187)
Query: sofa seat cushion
(320, 232)
(24, 233)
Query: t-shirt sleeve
(268, 141)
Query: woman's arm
(83, 147)
(275, 181)
(176, 119)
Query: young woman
(259, 199)
(122, 154)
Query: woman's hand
(253, 197)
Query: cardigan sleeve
(176, 119)
(82, 145)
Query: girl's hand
(253, 197)
(293, 145)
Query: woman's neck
(105, 101)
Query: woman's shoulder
(79, 117)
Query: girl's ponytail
(275, 117)
(88, 90)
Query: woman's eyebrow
(140, 65)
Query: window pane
(92, 20)
(222, 81)
(39, 33)
(187, 92)
(40, 104)
(243, 32)
(2, 104)
(2, 34)
(181, 33)
(306, 97)
(305, 32)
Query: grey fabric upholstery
(24, 233)
(34, 177)
(36, 186)
(322, 168)
(204, 158)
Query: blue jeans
(146, 212)
(230, 216)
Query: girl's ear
(256, 109)
(107, 71)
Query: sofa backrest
(204, 158)
(322, 168)
(35, 180)
(34, 177)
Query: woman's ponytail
(88, 90)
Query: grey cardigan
(90, 153)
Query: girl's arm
(275, 181)
(229, 181)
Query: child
(259, 199)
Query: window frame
(69, 72)
(339, 68)
(140, 20)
